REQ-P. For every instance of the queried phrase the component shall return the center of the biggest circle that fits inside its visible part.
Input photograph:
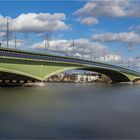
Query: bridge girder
(39, 70)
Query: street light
(47, 44)
(66, 50)
(91, 52)
(104, 55)
(73, 48)
(15, 41)
(7, 32)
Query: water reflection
(70, 111)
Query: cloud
(126, 37)
(135, 28)
(59, 45)
(33, 22)
(83, 50)
(88, 20)
(111, 58)
(82, 46)
(134, 10)
(134, 62)
(19, 43)
(109, 9)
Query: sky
(104, 30)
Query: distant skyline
(112, 26)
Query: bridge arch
(42, 70)
(115, 76)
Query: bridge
(22, 65)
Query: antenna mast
(7, 33)
(91, 52)
(45, 45)
(15, 41)
(114, 57)
(48, 41)
(104, 55)
(73, 45)
(66, 51)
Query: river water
(70, 111)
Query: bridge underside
(16, 69)
(115, 76)
(12, 76)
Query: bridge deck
(41, 56)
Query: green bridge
(24, 65)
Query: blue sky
(114, 24)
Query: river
(70, 111)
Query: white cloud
(134, 11)
(113, 8)
(111, 58)
(126, 37)
(108, 8)
(54, 44)
(82, 46)
(88, 20)
(19, 43)
(134, 62)
(33, 22)
(83, 50)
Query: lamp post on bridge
(66, 50)
(73, 48)
(121, 60)
(15, 41)
(83, 57)
(104, 55)
(91, 52)
(47, 44)
(128, 63)
(94, 52)
(114, 57)
(133, 66)
(7, 33)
